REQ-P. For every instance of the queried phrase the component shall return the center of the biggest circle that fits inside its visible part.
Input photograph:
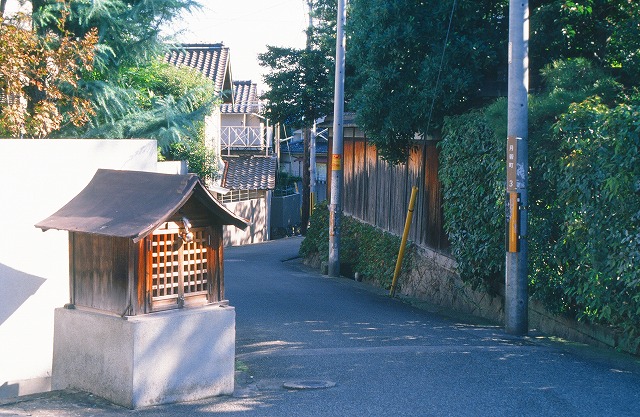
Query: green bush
(598, 250)
(363, 248)
(584, 195)
(472, 174)
(200, 159)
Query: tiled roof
(212, 60)
(250, 172)
(245, 98)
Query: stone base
(139, 361)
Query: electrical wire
(444, 48)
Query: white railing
(242, 137)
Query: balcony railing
(242, 137)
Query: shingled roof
(211, 59)
(250, 172)
(131, 204)
(245, 98)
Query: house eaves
(131, 204)
(245, 99)
(212, 60)
(250, 172)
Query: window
(178, 270)
(241, 195)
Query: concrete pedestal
(172, 356)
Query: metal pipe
(403, 244)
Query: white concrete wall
(256, 211)
(37, 177)
(173, 167)
(171, 356)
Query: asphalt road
(376, 356)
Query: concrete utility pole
(337, 173)
(312, 143)
(516, 291)
(312, 169)
(306, 158)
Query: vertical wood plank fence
(377, 192)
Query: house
(235, 130)
(142, 243)
(292, 160)
(243, 128)
(250, 180)
(212, 60)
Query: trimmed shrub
(363, 248)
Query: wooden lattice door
(179, 271)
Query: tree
(129, 31)
(603, 31)
(162, 102)
(39, 76)
(129, 42)
(405, 81)
(300, 85)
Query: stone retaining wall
(432, 280)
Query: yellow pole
(407, 225)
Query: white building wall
(37, 177)
(212, 125)
(257, 212)
(241, 119)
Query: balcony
(243, 138)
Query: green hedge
(584, 200)
(598, 250)
(363, 248)
(584, 196)
(472, 174)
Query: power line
(444, 49)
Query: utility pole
(337, 173)
(516, 291)
(306, 141)
(312, 169)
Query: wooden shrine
(141, 242)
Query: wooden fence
(378, 193)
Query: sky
(246, 27)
